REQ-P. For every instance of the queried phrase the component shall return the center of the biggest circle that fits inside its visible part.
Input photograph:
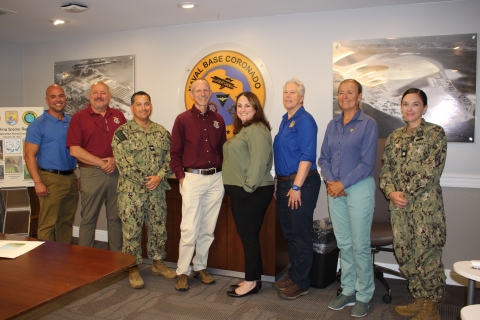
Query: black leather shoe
(254, 290)
(235, 286)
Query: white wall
(11, 74)
(293, 45)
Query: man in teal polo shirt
(51, 168)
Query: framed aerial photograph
(443, 66)
(76, 77)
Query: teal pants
(352, 221)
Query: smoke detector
(74, 8)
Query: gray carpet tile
(113, 298)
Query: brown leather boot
(204, 276)
(411, 309)
(182, 283)
(136, 281)
(429, 311)
(160, 269)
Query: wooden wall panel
(226, 251)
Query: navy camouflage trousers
(418, 238)
(150, 208)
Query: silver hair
(301, 87)
(200, 79)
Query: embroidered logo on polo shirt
(229, 73)
(116, 120)
(216, 124)
(292, 124)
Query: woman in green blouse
(247, 161)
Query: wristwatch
(296, 188)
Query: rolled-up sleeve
(349, 151)
(260, 151)
(368, 155)
(176, 148)
(307, 140)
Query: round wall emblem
(29, 116)
(229, 74)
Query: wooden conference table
(50, 271)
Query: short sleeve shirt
(94, 132)
(296, 141)
(50, 133)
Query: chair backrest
(381, 213)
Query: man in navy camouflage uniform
(142, 151)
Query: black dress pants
(248, 212)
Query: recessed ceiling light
(57, 22)
(186, 5)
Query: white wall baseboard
(100, 235)
(460, 181)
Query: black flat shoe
(235, 286)
(254, 290)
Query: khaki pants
(201, 201)
(58, 208)
(98, 188)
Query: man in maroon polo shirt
(196, 155)
(89, 139)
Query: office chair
(15, 211)
(381, 235)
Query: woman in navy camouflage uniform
(413, 162)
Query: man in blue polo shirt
(51, 168)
